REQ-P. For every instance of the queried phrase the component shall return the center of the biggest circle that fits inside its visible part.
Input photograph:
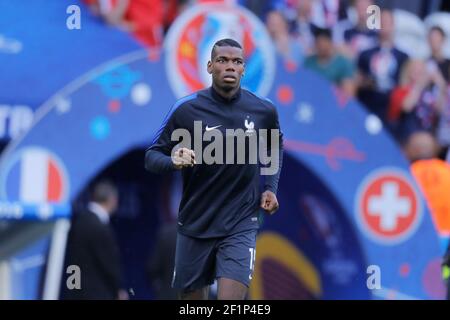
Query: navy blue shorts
(198, 262)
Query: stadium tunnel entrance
(142, 210)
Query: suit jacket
(92, 246)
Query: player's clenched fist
(269, 202)
(183, 158)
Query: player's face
(227, 67)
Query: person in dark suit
(92, 247)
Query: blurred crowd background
(399, 72)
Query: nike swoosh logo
(212, 128)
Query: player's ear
(209, 67)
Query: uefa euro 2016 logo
(189, 42)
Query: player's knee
(236, 294)
(198, 294)
(231, 290)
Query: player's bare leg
(229, 289)
(199, 294)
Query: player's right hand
(183, 158)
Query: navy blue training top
(217, 199)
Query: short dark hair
(322, 32)
(103, 190)
(438, 29)
(224, 43)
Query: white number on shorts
(252, 260)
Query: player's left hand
(269, 202)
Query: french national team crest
(35, 175)
(190, 39)
(388, 207)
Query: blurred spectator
(324, 13)
(443, 127)
(327, 13)
(288, 9)
(330, 64)
(354, 37)
(379, 69)
(144, 18)
(92, 247)
(278, 29)
(304, 28)
(420, 8)
(436, 39)
(261, 8)
(418, 101)
(172, 9)
(111, 11)
(162, 262)
(421, 145)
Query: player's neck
(226, 95)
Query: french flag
(40, 178)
